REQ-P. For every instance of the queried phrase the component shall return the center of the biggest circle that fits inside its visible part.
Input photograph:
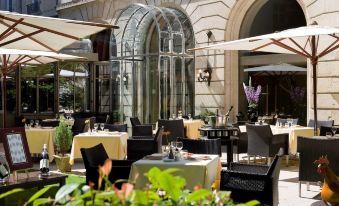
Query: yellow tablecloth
(293, 133)
(37, 137)
(115, 144)
(192, 128)
(203, 172)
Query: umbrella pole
(314, 61)
(314, 65)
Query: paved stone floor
(288, 184)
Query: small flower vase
(252, 114)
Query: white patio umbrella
(20, 31)
(312, 42)
(277, 69)
(11, 58)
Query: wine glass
(173, 116)
(37, 123)
(174, 145)
(189, 116)
(95, 127)
(334, 130)
(31, 122)
(102, 126)
(180, 145)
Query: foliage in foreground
(165, 189)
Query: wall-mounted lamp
(205, 75)
(124, 78)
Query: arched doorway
(154, 74)
(265, 17)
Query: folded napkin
(153, 157)
(193, 158)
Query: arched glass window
(154, 72)
(74, 84)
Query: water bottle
(44, 162)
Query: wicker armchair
(139, 148)
(116, 127)
(95, 156)
(250, 181)
(326, 123)
(172, 129)
(141, 131)
(263, 143)
(202, 146)
(310, 149)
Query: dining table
(37, 137)
(115, 144)
(293, 133)
(198, 169)
(192, 128)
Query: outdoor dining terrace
(205, 154)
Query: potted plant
(63, 142)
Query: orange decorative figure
(330, 190)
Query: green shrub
(165, 189)
(63, 138)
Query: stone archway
(231, 58)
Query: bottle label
(3, 171)
(44, 163)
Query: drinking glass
(189, 116)
(102, 126)
(174, 145)
(334, 130)
(37, 123)
(95, 127)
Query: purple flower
(297, 94)
(252, 95)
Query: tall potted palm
(63, 142)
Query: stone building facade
(228, 20)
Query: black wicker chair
(326, 123)
(250, 181)
(173, 129)
(95, 156)
(79, 125)
(202, 146)
(324, 130)
(310, 149)
(141, 131)
(50, 123)
(139, 148)
(240, 142)
(116, 127)
(263, 143)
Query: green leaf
(198, 195)
(65, 190)
(252, 203)
(167, 183)
(42, 201)
(140, 198)
(10, 192)
(105, 195)
(39, 193)
(171, 170)
(78, 202)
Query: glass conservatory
(153, 74)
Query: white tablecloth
(203, 172)
(115, 144)
(293, 133)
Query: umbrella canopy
(277, 69)
(20, 31)
(312, 42)
(11, 58)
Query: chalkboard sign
(16, 148)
